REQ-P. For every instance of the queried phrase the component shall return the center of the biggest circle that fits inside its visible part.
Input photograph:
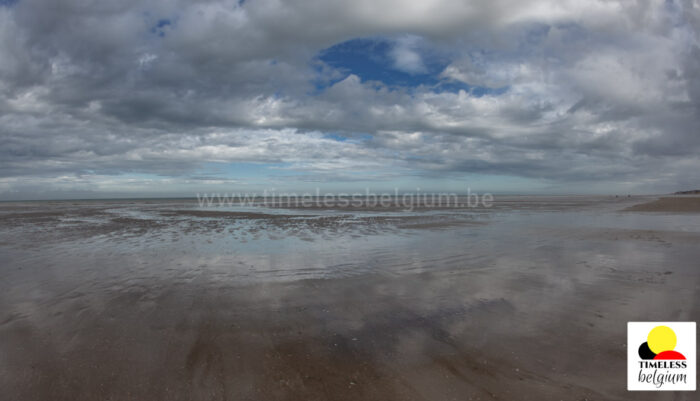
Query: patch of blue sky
(160, 26)
(371, 60)
(238, 170)
(336, 137)
(8, 3)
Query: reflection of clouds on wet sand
(522, 305)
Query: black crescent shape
(645, 352)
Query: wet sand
(528, 300)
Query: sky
(176, 97)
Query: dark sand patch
(680, 204)
(439, 224)
(223, 214)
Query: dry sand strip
(682, 204)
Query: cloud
(564, 92)
(406, 57)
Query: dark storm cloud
(592, 90)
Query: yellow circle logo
(661, 338)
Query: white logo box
(637, 333)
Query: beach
(678, 204)
(527, 299)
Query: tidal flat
(163, 299)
